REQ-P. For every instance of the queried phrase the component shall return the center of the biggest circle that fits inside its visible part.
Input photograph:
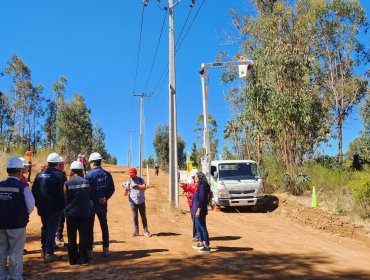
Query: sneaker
(198, 246)
(51, 258)
(135, 233)
(147, 233)
(195, 239)
(205, 250)
(106, 252)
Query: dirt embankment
(286, 240)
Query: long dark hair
(203, 181)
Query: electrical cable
(156, 51)
(138, 51)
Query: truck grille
(241, 192)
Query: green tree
(212, 124)
(194, 156)
(6, 122)
(150, 162)
(74, 127)
(161, 146)
(340, 53)
(98, 141)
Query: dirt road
(291, 242)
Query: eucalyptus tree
(212, 124)
(281, 104)
(74, 127)
(340, 53)
(6, 121)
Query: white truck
(233, 182)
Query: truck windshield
(238, 171)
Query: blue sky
(94, 44)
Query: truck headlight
(223, 194)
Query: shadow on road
(224, 238)
(166, 234)
(232, 249)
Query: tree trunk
(340, 139)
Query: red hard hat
(132, 171)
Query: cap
(193, 172)
(132, 171)
(15, 162)
(77, 165)
(95, 156)
(25, 162)
(53, 157)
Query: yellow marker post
(315, 202)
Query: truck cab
(235, 183)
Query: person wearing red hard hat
(135, 189)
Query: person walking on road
(59, 234)
(48, 192)
(200, 210)
(135, 188)
(190, 190)
(77, 212)
(101, 189)
(156, 169)
(16, 204)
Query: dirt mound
(319, 219)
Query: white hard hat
(95, 156)
(25, 162)
(61, 159)
(53, 157)
(193, 172)
(77, 165)
(15, 162)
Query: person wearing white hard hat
(77, 213)
(190, 190)
(48, 192)
(25, 170)
(16, 204)
(101, 189)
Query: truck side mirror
(266, 173)
(215, 174)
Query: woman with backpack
(200, 210)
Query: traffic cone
(315, 202)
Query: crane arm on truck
(245, 68)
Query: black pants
(102, 216)
(61, 227)
(135, 208)
(77, 253)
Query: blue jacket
(13, 208)
(48, 191)
(101, 185)
(78, 197)
(200, 200)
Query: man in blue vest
(16, 203)
(101, 189)
(48, 192)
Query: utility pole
(173, 181)
(130, 149)
(142, 95)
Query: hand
(102, 200)
(197, 214)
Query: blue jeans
(102, 216)
(49, 228)
(201, 227)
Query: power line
(156, 51)
(191, 24)
(145, 3)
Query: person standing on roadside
(25, 170)
(101, 189)
(135, 188)
(16, 204)
(77, 213)
(190, 190)
(59, 234)
(200, 210)
(28, 157)
(156, 169)
(48, 192)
